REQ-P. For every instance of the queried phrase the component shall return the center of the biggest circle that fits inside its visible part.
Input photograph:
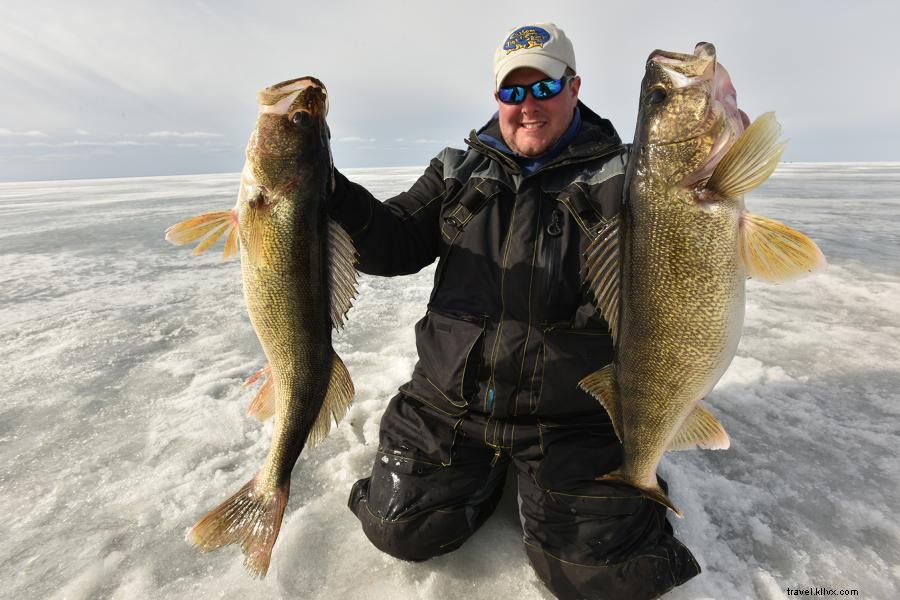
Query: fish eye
(656, 96)
(300, 117)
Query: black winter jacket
(510, 328)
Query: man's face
(530, 128)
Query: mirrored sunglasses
(541, 90)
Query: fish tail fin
(208, 228)
(265, 402)
(654, 492)
(251, 518)
(337, 401)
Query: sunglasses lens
(511, 94)
(546, 88)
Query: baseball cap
(541, 46)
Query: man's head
(527, 55)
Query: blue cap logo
(526, 37)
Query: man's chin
(532, 150)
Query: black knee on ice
(416, 538)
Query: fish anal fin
(750, 161)
(265, 402)
(342, 270)
(771, 251)
(601, 272)
(251, 518)
(337, 401)
(601, 385)
(701, 430)
(654, 493)
(208, 228)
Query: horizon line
(4, 182)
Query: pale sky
(129, 88)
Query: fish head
(290, 145)
(688, 116)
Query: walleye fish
(299, 279)
(669, 272)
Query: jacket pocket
(449, 357)
(564, 358)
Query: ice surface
(123, 421)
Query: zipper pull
(554, 228)
(496, 458)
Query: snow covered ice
(123, 420)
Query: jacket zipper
(554, 234)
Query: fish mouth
(724, 121)
(303, 94)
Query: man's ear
(576, 84)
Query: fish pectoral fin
(601, 272)
(251, 518)
(254, 227)
(265, 402)
(337, 401)
(342, 269)
(750, 161)
(208, 228)
(653, 493)
(771, 251)
(700, 430)
(601, 385)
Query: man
(510, 330)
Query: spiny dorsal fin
(771, 251)
(750, 161)
(342, 267)
(337, 400)
(207, 227)
(602, 386)
(601, 272)
(700, 430)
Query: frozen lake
(122, 419)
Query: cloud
(113, 143)
(183, 134)
(32, 133)
(354, 140)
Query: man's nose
(530, 104)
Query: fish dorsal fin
(700, 430)
(601, 272)
(208, 228)
(337, 401)
(750, 161)
(602, 386)
(342, 267)
(773, 252)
